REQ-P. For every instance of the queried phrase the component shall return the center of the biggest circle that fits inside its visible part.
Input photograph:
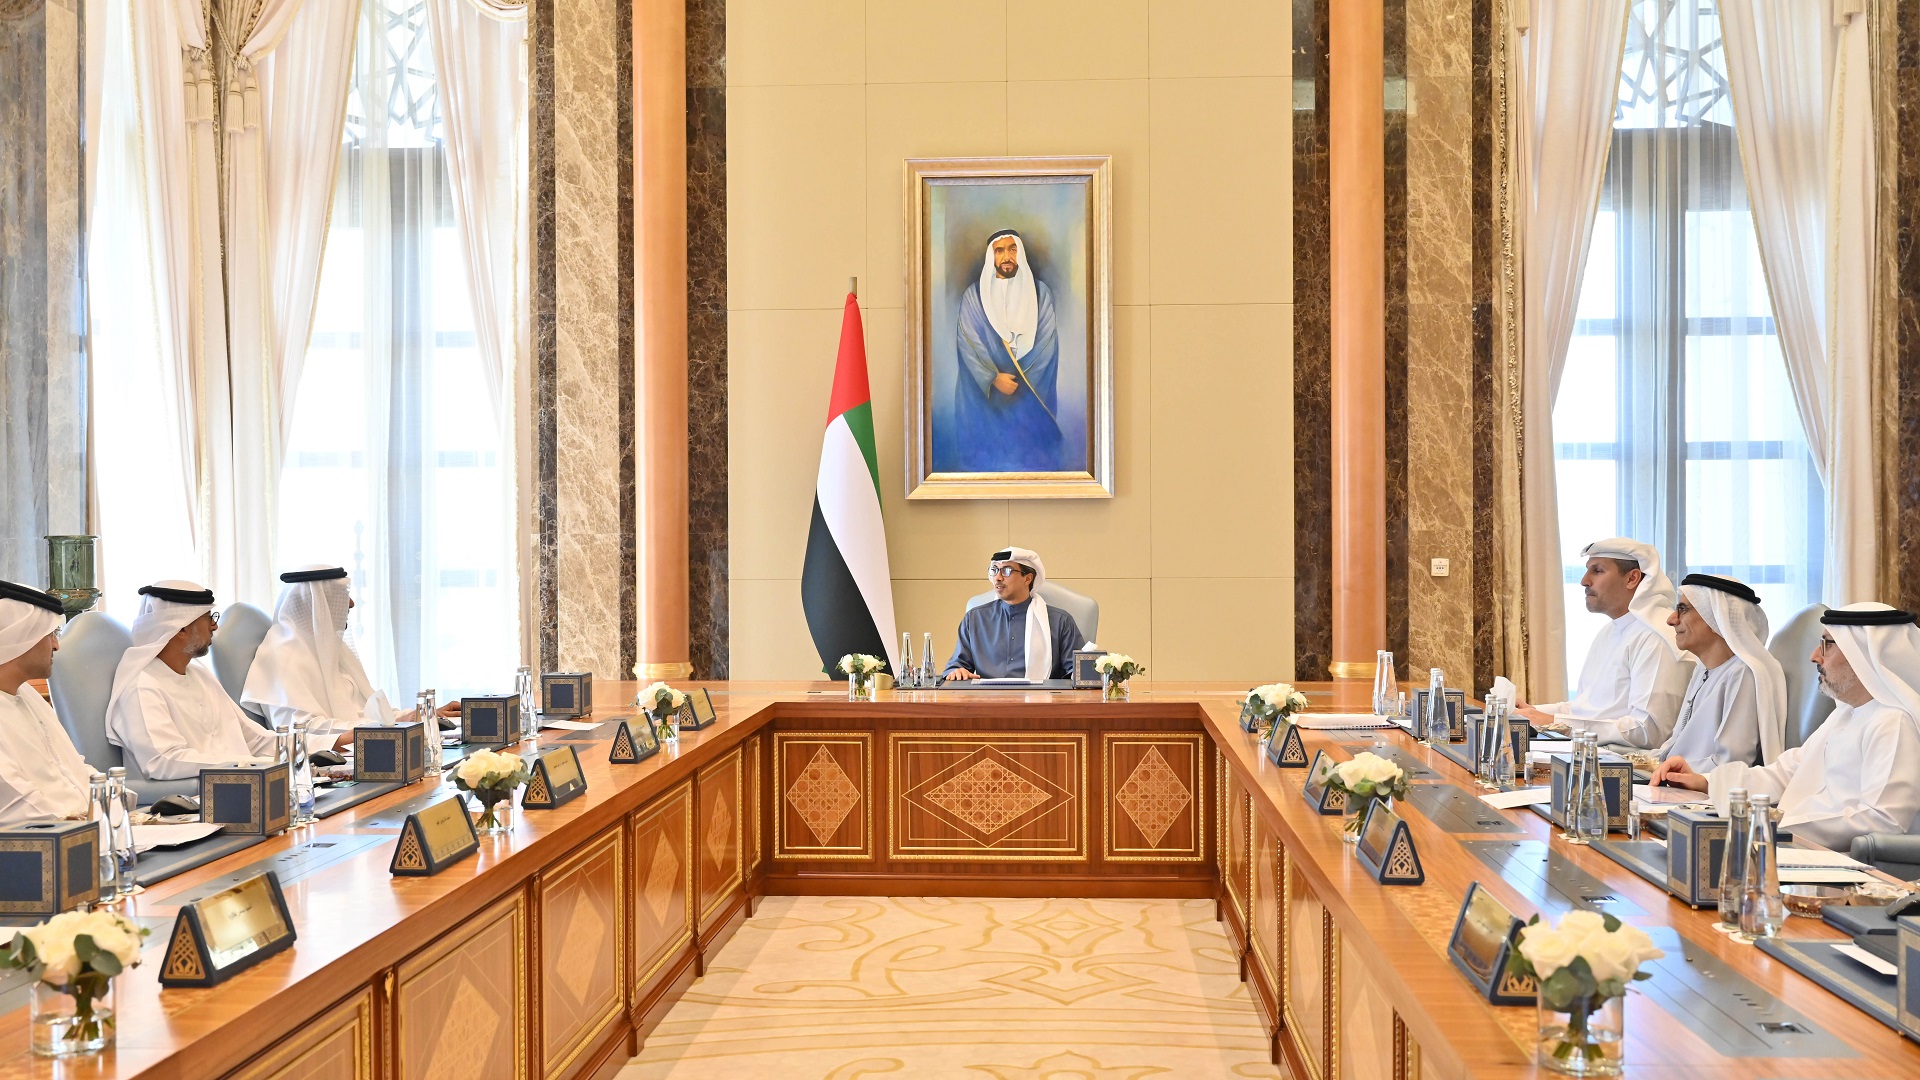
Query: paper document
(995, 682)
(1550, 746)
(1861, 956)
(1669, 796)
(149, 837)
(1822, 875)
(1340, 721)
(1801, 856)
(1528, 796)
(568, 725)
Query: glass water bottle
(1503, 764)
(1576, 789)
(926, 661)
(1593, 800)
(100, 796)
(1733, 861)
(1762, 909)
(909, 674)
(120, 800)
(302, 769)
(1435, 727)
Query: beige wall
(1192, 561)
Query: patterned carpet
(843, 988)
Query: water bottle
(1576, 789)
(284, 750)
(926, 661)
(1382, 682)
(1438, 727)
(120, 824)
(1733, 861)
(99, 794)
(529, 708)
(1593, 803)
(1487, 746)
(1503, 763)
(302, 777)
(909, 674)
(1762, 909)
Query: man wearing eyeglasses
(1016, 635)
(168, 710)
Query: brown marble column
(660, 366)
(1356, 171)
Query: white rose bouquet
(661, 702)
(491, 777)
(78, 953)
(1273, 701)
(1581, 966)
(860, 670)
(1119, 665)
(1365, 777)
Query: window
(1675, 423)
(397, 468)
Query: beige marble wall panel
(66, 364)
(1439, 340)
(587, 183)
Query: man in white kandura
(306, 668)
(168, 711)
(1631, 685)
(1736, 705)
(1860, 772)
(41, 774)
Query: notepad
(998, 682)
(1821, 875)
(567, 725)
(1801, 856)
(1866, 959)
(1507, 800)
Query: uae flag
(845, 587)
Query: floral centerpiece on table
(1115, 669)
(73, 958)
(1365, 777)
(662, 704)
(1582, 968)
(1275, 702)
(491, 777)
(860, 670)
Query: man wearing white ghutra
(1016, 635)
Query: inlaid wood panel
(824, 782)
(1371, 1045)
(1155, 801)
(755, 843)
(582, 950)
(1311, 975)
(1263, 920)
(968, 796)
(662, 885)
(718, 791)
(460, 1005)
(1234, 847)
(336, 1046)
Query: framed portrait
(1009, 328)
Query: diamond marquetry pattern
(719, 834)
(1153, 796)
(987, 795)
(663, 878)
(823, 795)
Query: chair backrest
(1084, 609)
(241, 631)
(82, 681)
(1792, 643)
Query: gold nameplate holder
(433, 839)
(633, 745)
(1285, 748)
(1319, 791)
(697, 711)
(228, 932)
(1484, 935)
(1386, 848)
(556, 780)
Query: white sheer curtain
(1801, 91)
(286, 80)
(1565, 66)
(158, 317)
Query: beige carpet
(841, 988)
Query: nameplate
(434, 838)
(1907, 985)
(1456, 703)
(566, 693)
(1285, 747)
(490, 719)
(228, 932)
(1696, 847)
(1086, 675)
(250, 800)
(1616, 786)
(1249, 717)
(697, 711)
(633, 745)
(556, 780)
(1386, 848)
(1319, 791)
(47, 867)
(1484, 935)
(390, 752)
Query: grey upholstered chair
(1084, 609)
(241, 631)
(1792, 643)
(81, 684)
(1894, 853)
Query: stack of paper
(149, 837)
(1529, 796)
(1341, 721)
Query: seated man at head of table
(1016, 635)
(1860, 772)
(1634, 677)
(41, 774)
(1736, 705)
(168, 710)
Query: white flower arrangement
(860, 664)
(660, 699)
(1580, 966)
(1276, 699)
(1119, 665)
(1365, 777)
(78, 953)
(490, 772)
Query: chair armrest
(1887, 847)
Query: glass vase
(1588, 1038)
(1112, 689)
(64, 1024)
(496, 814)
(1356, 816)
(860, 687)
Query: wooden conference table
(556, 949)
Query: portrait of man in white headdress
(1006, 398)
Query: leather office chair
(1084, 609)
(1894, 853)
(80, 685)
(1792, 643)
(241, 631)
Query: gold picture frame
(1047, 433)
